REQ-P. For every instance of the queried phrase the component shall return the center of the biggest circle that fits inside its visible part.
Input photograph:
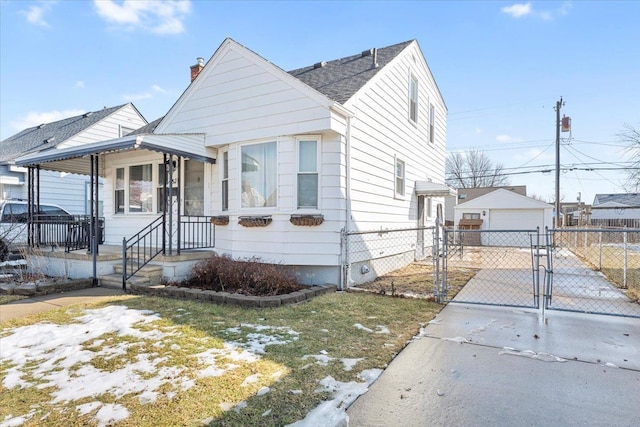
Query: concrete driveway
(491, 366)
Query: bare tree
(631, 135)
(474, 169)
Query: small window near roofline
(413, 99)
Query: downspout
(347, 262)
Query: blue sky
(501, 67)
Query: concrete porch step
(115, 281)
(152, 272)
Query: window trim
(127, 187)
(224, 182)
(240, 172)
(399, 194)
(318, 140)
(414, 98)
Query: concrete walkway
(41, 304)
(495, 366)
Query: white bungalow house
(278, 165)
(71, 191)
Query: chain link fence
(504, 262)
(594, 270)
(392, 261)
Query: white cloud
(137, 96)
(160, 17)
(34, 118)
(517, 10)
(35, 13)
(507, 138)
(523, 9)
(79, 84)
(157, 88)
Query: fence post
(600, 250)
(624, 268)
(436, 258)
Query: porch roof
(76, 159)
(432, 189)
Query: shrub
(247, 277)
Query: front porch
(79, 264)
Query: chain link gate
(582, 270)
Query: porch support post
(93, 246)
(164, 203)
(179, 201)
(96, 201)
(30, 202)
(170, 205)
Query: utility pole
(559, 105)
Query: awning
(186, 145)
(432, 189)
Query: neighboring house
(284, 162)
(466, 194)
(616, 210)
(503, 210)
(59, 187)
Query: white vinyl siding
(381, 132)
(245, 98)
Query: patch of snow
(364, 328)
(350, 363)
(111, 413)
(88, 407)
(370, 375)
(459, 340)
(382, 329)
(250, 380)
(545, 357)
(263, 391)
(240, 406)
(321, 359)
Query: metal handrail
(196, 232)
(141, 248)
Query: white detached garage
(503, 210)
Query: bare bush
(250, 277)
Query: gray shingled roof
(342, 78)
(50, 134)
(148, 128)
(627, 199)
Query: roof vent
(320, 64)
(375, 58)
(48, 140)
(368, 52)
(87, 114)
(41, 126)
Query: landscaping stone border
(43, 287)
(246, 301)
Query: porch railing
(72, 232)
(195, 232)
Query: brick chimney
(195, 69)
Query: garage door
(516, 219)
(513, 219)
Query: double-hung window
(259, 175)
(413, 99)
(432, 120)
(136, 182)
(307, 173)
(400, 176)
(225, 181)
